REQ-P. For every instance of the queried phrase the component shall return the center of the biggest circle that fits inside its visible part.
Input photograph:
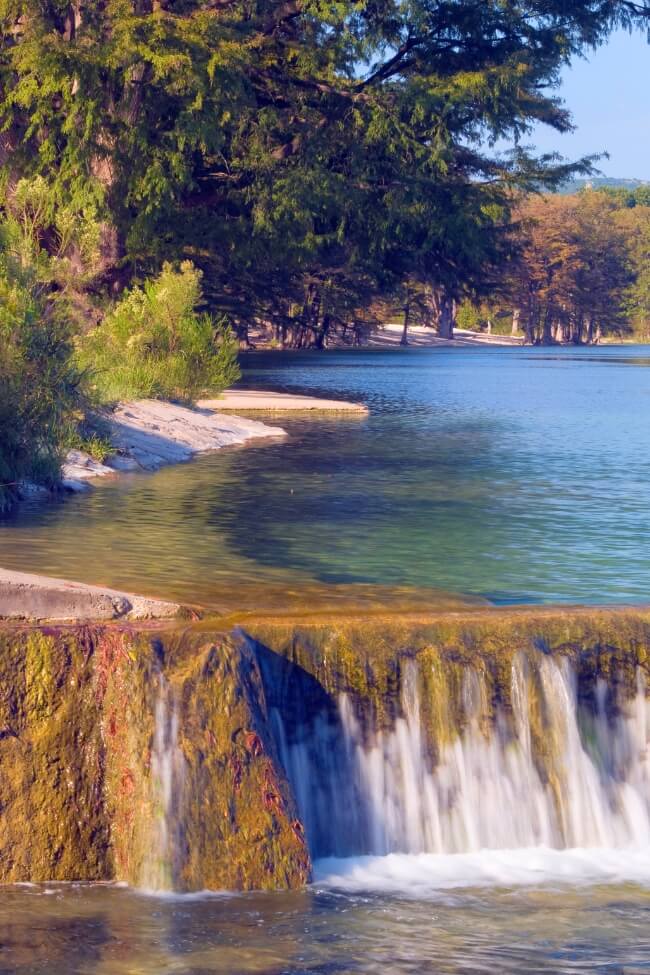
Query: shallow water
(548, 927)
(510, 474)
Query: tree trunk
(516, 318)
(529, 330)
(445, 316)
(405, 331)
(323, 331)
(547, 331)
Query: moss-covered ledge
(78, 797)
(78, 711)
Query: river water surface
(516, 475)
(512, 475)
(560, 928)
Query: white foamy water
(426, 875)
(548, 770)
(167, 785)
(489, 790)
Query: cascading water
(553, 766)
(160, 867)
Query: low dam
(178, 757)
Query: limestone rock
(24, 595)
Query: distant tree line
(578, 270)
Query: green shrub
(40, 386)
(155, 344)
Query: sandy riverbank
(389, 336)
(260, 401)
(419, 337)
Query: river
(511, 475)
(514, 475)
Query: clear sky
(609, 96)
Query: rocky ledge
(263, 401)
(149, 434)
(194, 756)
(33, 597)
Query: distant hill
(598, 182)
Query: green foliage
(634, 224)
(60, 242)
(628, 198)
(155, 344)
(308, 154)
(469, 317)
(39, 383)
(82, 436)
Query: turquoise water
(519, 475)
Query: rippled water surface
(84, 930)
(512, 474)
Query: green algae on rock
(77, 711)
(178, 757)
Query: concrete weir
(201, 755)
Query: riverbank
(390, 337)
(26, 596)
(264, 401)
(150, 434)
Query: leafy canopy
(286, 145)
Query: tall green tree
(306, 153)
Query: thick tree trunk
(529, 330)
(547, 331)
(323, 331)
(516, 320)
(446, 318)
(440, 311)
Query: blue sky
(609, 96)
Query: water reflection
(81, 930)
(512, 474)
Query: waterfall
(161, 863)
(550, 766)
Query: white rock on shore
(27, 596)
(149, 434)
